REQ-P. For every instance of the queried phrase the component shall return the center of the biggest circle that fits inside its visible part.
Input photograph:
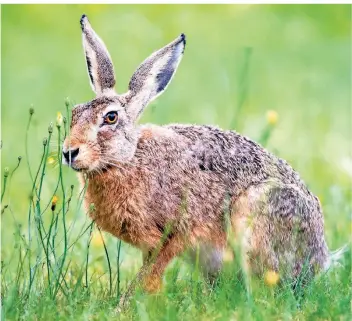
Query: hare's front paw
(124, 302)
(152, 283)
(126, 296)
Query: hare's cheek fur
(117, 145)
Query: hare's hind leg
(209, 258)
(280, 229)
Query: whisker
(105, 162)
(117, 162)
(110, 158)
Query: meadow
(279, 74)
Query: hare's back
(239, 160)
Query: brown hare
(166, 189)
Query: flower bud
(67, 102)
(50, 128)
(59, 119)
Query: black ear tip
(183, 38)
(83, 18)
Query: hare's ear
(99, 64)
(153, 75)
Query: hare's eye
(111, 118)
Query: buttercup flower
(51, 160)
(97, 239)
(54, 202)
(272, 117)
(271, 278)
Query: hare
(168, 189)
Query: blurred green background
(300, 66)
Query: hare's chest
(123, 215)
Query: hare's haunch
(166, 189)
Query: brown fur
(165, 189)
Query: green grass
(240, 62)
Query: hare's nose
(70, 155)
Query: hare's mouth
(75, 167)
(79, 169)
(89, 170)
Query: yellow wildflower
(272, 117)
(97, 239)
(271, 278)
(54, 202)
(51, 160)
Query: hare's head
(103, 131)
